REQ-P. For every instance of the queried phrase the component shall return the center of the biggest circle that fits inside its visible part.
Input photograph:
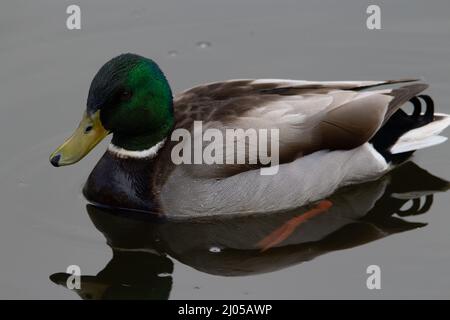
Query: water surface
(45, 224)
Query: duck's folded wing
(309, 116)
(224, 90)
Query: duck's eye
(125, 95)
(88, 129)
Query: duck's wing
(243, 87)
(218, 100)
(309, 116)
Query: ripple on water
(203, 44)
(172, 53)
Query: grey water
(46, 225)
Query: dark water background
(44, 225)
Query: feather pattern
(310, 116)
(325, 129)
(304, 180)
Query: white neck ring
(136, 154)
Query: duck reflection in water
(141, 268)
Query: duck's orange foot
(282, 233)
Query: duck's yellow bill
(88, 134)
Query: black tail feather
(400, 123)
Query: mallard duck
(330, 135)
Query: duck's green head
(130, 98)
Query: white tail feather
(423, 137)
